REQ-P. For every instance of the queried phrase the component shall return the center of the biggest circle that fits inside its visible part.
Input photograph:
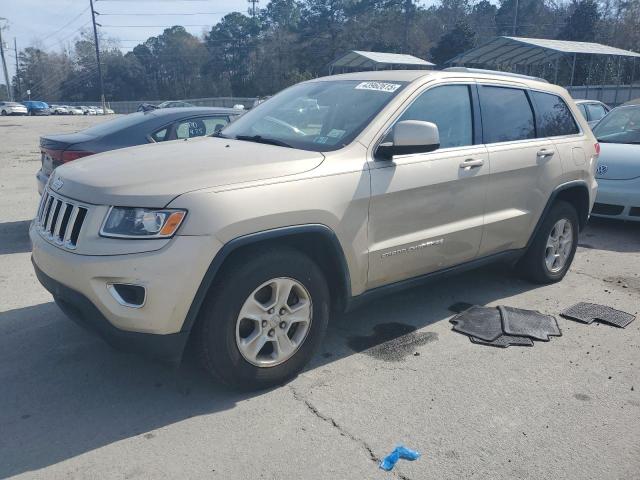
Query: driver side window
(449, 107)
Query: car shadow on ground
(14, 237)
(611, 235)
(65, 392)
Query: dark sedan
(129, 130)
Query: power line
(161, 14)
(153, 26)
(65, 25)
(73, 33)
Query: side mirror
(410, 136)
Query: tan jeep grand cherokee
(331, 192)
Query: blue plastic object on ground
(400, 451)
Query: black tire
(215, 331)
(532, 265)
(4, 113)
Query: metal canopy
(531, 51)
(374, 60)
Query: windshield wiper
(261, 139)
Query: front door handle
(470, 163)
(545, 153)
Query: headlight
(126, 222)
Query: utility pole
(252, 8)
(408, 10)
(95, 37)
(18, 92)
(515, 20)
(4, 65)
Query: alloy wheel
(559, 245)
(274, 322)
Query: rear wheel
(550, 254)
(4, 113)
(263, 319)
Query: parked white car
(618, 170)
(59, 110)
(12, 108)
(88, 110)
(74, 110)
(98, 110)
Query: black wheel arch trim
(256, 238)
(552, 198)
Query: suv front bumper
(171, 276)
(166, 348)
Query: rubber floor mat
(528, 323)
(588, 312)
(480, 322)
(503, 341)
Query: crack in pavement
(345, 433)
(312, 408)
(579, 272)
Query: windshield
(621, 125)
(318, 116)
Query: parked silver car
(618, 170)
(592, 110)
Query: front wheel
(550, 254)
(263, 319)
(4, 113)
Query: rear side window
(506, 114)
(553, 116)
(449, 107)
(198, 127)
(160, 135)
(596, 111)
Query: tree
(535, 18)
(581, 25)
(454, 42)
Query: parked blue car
(37, 108)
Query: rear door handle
(470, 163)
(545, 153)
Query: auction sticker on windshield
(378, 86)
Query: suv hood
(618, 161)
(154, 174)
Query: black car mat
(588, 312)
(528, 323)
(503, 341)
(480, 322)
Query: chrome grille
(60, 220)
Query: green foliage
(293, 40)
(582, 23)
(454, 42)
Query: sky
(54, 24)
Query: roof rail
(493, 72)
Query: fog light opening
(128, 294)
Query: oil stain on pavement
(391, 342)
